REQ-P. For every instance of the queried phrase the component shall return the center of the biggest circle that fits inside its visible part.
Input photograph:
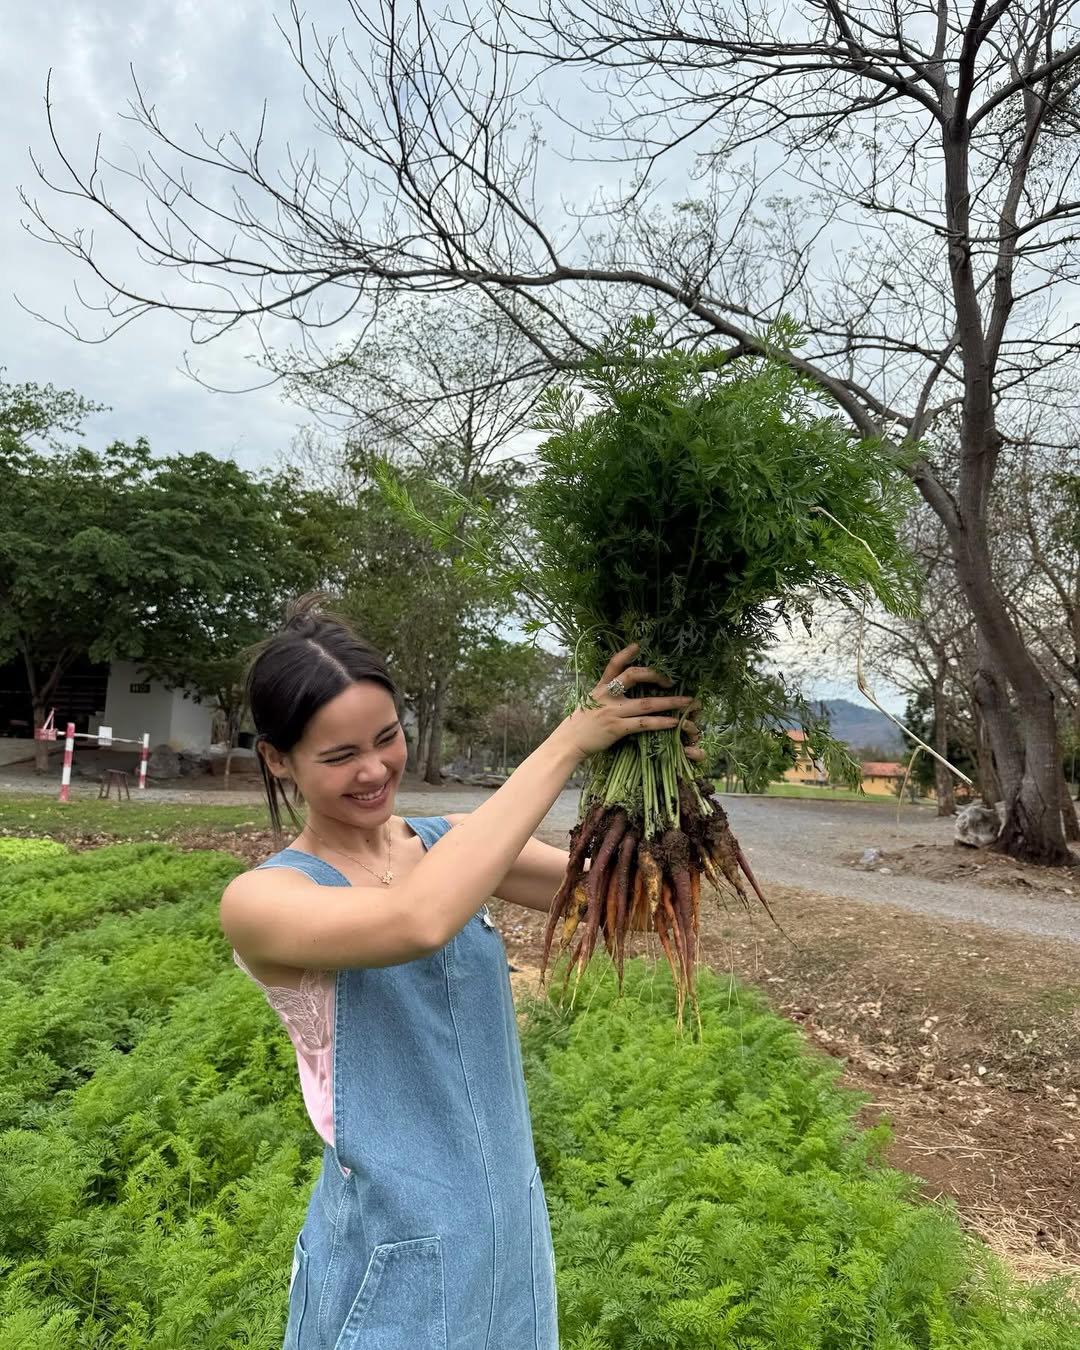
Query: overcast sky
(201, 64)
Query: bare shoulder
(248, 894)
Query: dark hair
(294, 673)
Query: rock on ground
(977, 826)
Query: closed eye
(387, 739)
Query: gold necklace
(387, 877)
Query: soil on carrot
(976, 867)
(966, 1039)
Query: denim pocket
(401, 1304)
(298, 1284)
(543, 1269)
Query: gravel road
(803, 843)
(788, 841)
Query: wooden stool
(120, 778)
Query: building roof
(882, 769)
(797, 735)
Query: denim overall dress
(427, 1228)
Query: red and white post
(69, 751)
(142, 761)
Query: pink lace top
(308, 1016)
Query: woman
(427, 1228)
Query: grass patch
(829, 794)
(1064, 999)
(121, 820)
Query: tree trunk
(1025, 750)
(1069, 821)
(41, 748)
(989, 785)
(232, 733)
(1024, 738)
(40, 696)
(433, 765)
(423, 723)
(943, 779)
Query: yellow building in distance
(881, 778)
(806, 771)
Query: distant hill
(859, 724)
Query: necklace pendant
(387, 877)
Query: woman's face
(350, 758)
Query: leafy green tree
(270, 538)
(422, 611)
(178, 564)
(753, 759)
(508, 696)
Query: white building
(134, 705)
(117, 696)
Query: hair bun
(305, 614)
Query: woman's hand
(614, 715)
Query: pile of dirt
(976, 867)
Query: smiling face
(350, 758)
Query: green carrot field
(706, 1194)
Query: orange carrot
(597, 883)
(581, 841)
(671, 923)
(639, 908)
(660, 922)
(695, 898)
(611, 908)
(574, 915)
(741, 856)
(683, 906)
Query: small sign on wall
(139, 688)
(104, 736)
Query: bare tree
(945, 136)
(437, 374)
(434, 393)
(927, 656)
(1040, 509)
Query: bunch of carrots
(619, 881)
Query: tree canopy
(178, 563)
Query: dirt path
(817, 844)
